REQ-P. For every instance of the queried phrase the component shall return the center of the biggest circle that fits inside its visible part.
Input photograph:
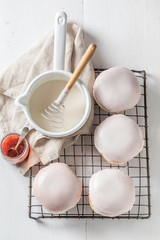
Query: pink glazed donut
(111, 192)
(118, 139)
(57, 188)
(116, 90)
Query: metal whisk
(54, 112)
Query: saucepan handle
(60, 40)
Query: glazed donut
(57, 188)
(118, 139)
(116, 90)
(111, 192)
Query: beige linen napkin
(16, 78)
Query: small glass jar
(10, 141)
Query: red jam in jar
(8, 143)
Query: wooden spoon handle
(79, 69)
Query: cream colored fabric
(16, 78)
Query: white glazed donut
(57, 188)
(118, 139)
(117, 89)
(111, 192)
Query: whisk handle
(79, 69)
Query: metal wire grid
(84, 160)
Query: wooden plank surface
(127, 33)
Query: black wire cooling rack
(84, 160)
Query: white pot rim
(22, 101)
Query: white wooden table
(127, 33)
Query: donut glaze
(57, 188)
(117, 89)
(111, 192)
(118, 139)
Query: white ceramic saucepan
(57, 74)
